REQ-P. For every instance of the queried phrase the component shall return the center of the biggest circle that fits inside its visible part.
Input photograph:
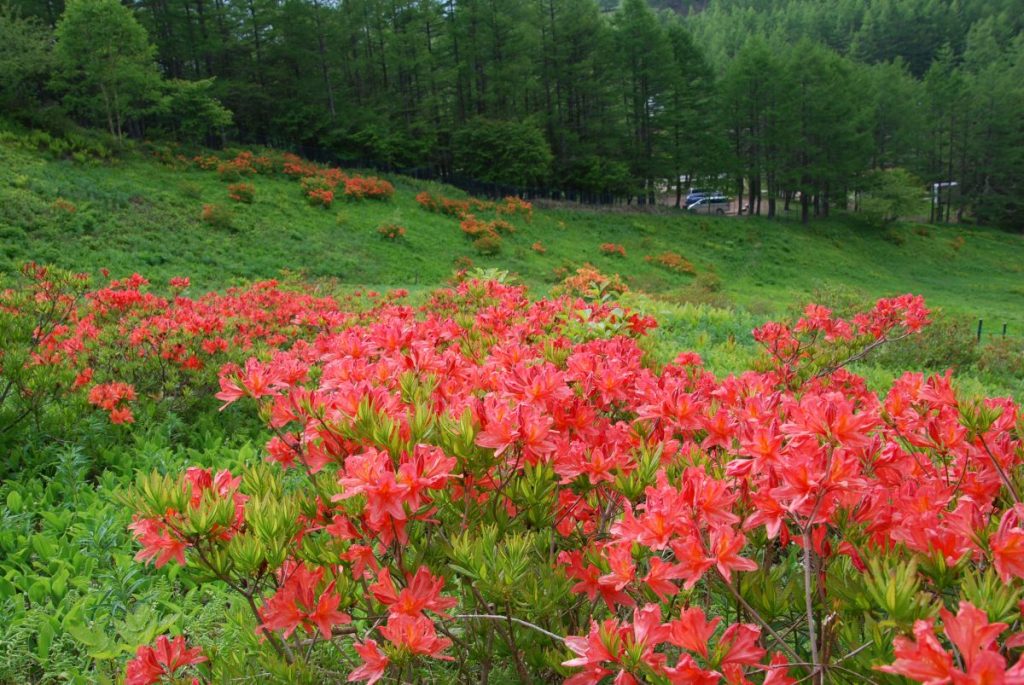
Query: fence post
(979, 330)
(1004, 330)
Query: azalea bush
(242, 192)
(613, 250)
(492, 485)
(368, 188)
(71, 341)
(391, 231)
(672, 261)
(488, 243)
(218, 216)
(320, 197)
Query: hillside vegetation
(135, 214)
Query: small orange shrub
(672, 262)
(488, 244)
(216, 215)
(320, 197)
(368, 188)
(391, 231)
(242, 192)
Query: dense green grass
(137, 215)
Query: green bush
(218, 216)
(488, 244)
(949, 342)
(1002, 359)
(509, 152)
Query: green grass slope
(134, 214)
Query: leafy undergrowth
(485, 487)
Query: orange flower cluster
(474, 228)
(391, 231)
(244, 164)
(449, 207)
(297, 167)
(242, 192)
(612, 249)
(672, 262)
(516, 205)
(113, 398)
(588, 281)
(368, 188)
(320, 197)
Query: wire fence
(993, 331)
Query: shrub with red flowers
(502, 482)
(368, 188)
(673, 262)
(133, 354)
(488, 243)
(320, 197)
(473, 228)
(538, 248)
(589, 282)
(295, 166)
(428, 202)
(242, 192)
(206, 162)
(391, 231)
(459, 209)
(488, 484)
(516, 205)
(613, 249)
(168, 661)
(112, 397)
(217, 215)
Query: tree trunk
(109, 110)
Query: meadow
(135, 214)
(419, 457)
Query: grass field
(138, 215)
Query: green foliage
(190, 112)
(105, 62)
(509, 152)
(949, 342)
(25, 58)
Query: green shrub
(218, 216)
(191, 189)
(1002, 359)
(949, 342)
(488, 244)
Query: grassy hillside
(135, 214)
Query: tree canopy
(776, 101)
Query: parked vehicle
(710, 204)
(698, 193)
